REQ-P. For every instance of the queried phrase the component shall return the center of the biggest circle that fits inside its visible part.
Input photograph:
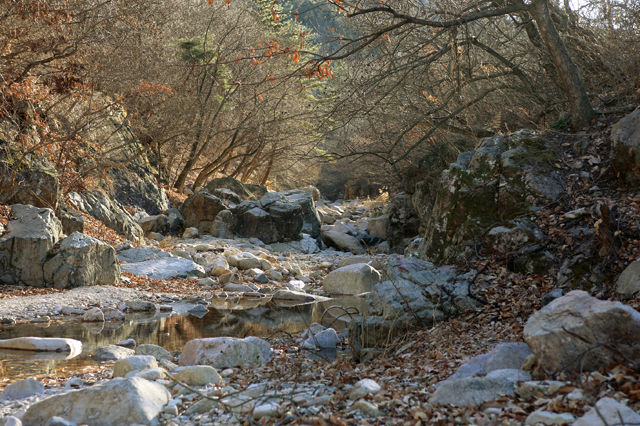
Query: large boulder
(351, 279)
(43, 344)
(116, 402)
(158, 223)
(568, 333)
(378, 226)
(625, 148)
(609, 412)
(200, 211)
(82, 260)
(502, 179)
(628, 284)
(434, 294)
(403, 222)
(99, 204)
(243, 190)
(221, 352)
(34, 182)
(33, 232)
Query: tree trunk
(579, 105)
(191, 161)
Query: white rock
(112, 353)
(270, 409)
(363, 388)
(116, 402)
(299, 296)
(592, 319)
(549, 418)
(136, 362)
(244, 261)
(611, 411)
(164, 269)
(351, 279)
(238, 288)
(264, 346)
(151, 374)
(10, 421)
(511, 374)
(198, 375)
(22, 389)
(628, 284)
(43, 344)
(471, 390)
(220, 352)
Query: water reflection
(246, 317)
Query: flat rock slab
(142, 254)
(165, 269)
(43, 344)
(117, 402)
(472, 390)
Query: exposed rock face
(82, 261)
(378, 226)
(278, 216)
(625, 148)
(200, 211)
(503, 178)
(594, 320)
(36, 183)
(403, 222)
(100, 205)
(243, 190)
(224, 225)
(24, 249)
(71, 221)
(116, 402)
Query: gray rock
(71, 221)
(378, 226)
(293, 295)
(270, 409)
(363, 388)
(140, 306)
(353, 260)
(341, 241)
(113, 315)
(472, 390)
(244, 261)
(158, 223)
(224, 225)
(433, 293)
(609, 412)
(625, 148)
(100, 205)
(403, 222)
(261, 278)
(151, 374)
(507, 356)
(628, 284)
(352, 279)
(136, 362)
(511, 374)
(82, 261)
(22, 389)
(142, 253)
(549, 418)
(200, 211)
(220, 352)
(165, 269)
(366, 408)
(198, 310)
(159, 353)
(34, 181)
(93, 315)
(10, 421)
(237, 288)
(198, 375)
(594, 320)
(476, 366)
(325, 339)
(112, 353)
(264, 346)
(190, 233)
(116, 402)
(32, 233)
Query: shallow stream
(170, 330)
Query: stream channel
(170, 330)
